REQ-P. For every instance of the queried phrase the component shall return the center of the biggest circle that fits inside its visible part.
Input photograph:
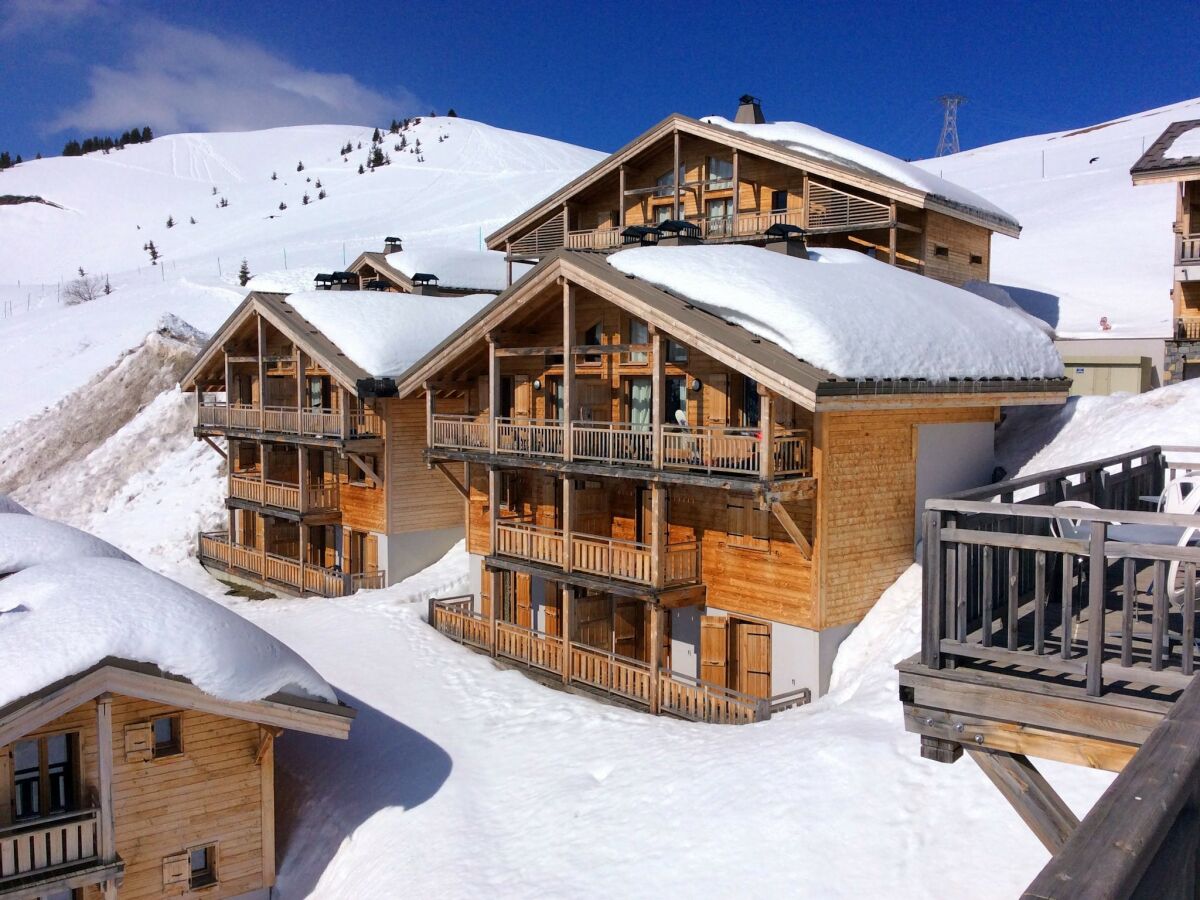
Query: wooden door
(714, 649)
(522, 407)
(485, 593)
(370, 553)
(627, 631)
(644, 515)
(716, 400)
(750, 658)
(591, 621)
(524, 610)
(553, 608)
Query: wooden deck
(294, 575)
(54, 852)
(631, 680)
(219, 416)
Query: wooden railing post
(493, 392)
(1097, 570)
(568, 522)
(658, 535)
(107, 821)
(568, 381)
(675, 178)
(428, 414)
(568, 601)
(653, 653)
(733, 203)
(766, 428)
(657, 400)
(931, 583)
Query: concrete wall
(952, 458)
(1077, 353)
(408, 553)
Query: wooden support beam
(653, 653)
(493, 393)
(214, 445)
(766, 430)
(107, 841)
(428, 415)
(454, 482)
(892, 234)
(792, 529)
(621, 196)
(675, 177)
(568, 378)
(1028, 792)
(267, 735)
(367, 469)
(262, 350)
(568, 521)
(733, 203)
(658, 402)
(658, 535)
(568, 603)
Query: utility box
(1101, 375)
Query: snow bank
(27, 540)
(822, 145)
(1034, 439)
(385, 332)
(62, 617)
(849, 314)
(285, 281)
(484, 270)
(9, 505)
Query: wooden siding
(962, 240)
(866, 472)
(420, 497)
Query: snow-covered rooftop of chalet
(1185, 146)
(820, 144)
(58, 619)
(484, 270)
(384, 332)
(851, 315)
(27, 540)
(9, 505)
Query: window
(665, 185)
(638, 334)
(976, 259)
(356, 476)
(167, 736)
(779, 201)
(746, 525)
(676, 409)
(939, 250)
(718, 213)
(750, 403)
(637, 402)
(202, 866)
(44, 780)
(720, 173)
(676, 353)
(663, 213)
(593, 337)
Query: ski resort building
(137, 728)
(432, 271)
(721, 181)
(1175, 158)
(691, 470)
(327, 492)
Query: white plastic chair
(1176, 496)
(1072, 529)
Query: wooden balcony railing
(531, 542)
(712, 449)
(213, 413)
(529, 437)
(677, 694)
(1187, 249)
(595, 239)
(246, 487)
(548, 236)
(830, 208)
(612, 558)
(215, 547)
(40, 846)
(282, 495)
(1187, 329)
(683, 563)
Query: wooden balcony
(1187, 329)
(629, 561)
(216, 549)
(53, 852)
(1187, 249)
(629, 679)
(312, 498)
(1056, 631)
(216, 414)
(712, 450)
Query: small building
(137, 727)
(690, 471)
(327, 490)
(1175, 158)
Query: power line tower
(948, 142)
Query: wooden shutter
(753, 655)
(713, 649)
(524, 601)
(370, 553)
(715, 398)
(553, 608)
(176, 870)
(139, 742)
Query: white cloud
(22, 16)
(180, 79)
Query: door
(714, 649)
(553, 609)
(716, 400)
(627, 631)
(750, 658)
(637, 402)
(522, 407)
(524, 606)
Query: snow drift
(849, 314)
(27, 540)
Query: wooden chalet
(124, 781)
(1070, 635)
(735, 181)
(1164, 163)
(327, 492)
(375, 271)
(666, 507)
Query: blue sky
(590, 73)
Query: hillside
(1091, 244)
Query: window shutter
(139, 742)
(176, 870)
(713, 649)
(737, 519)
(370, 553)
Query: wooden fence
(286, 570)
(287, 419)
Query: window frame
(717, 183)
(71, 771)
(356, 477)
(592, 359)
(209, 874)
(941, 251)
(174, 747)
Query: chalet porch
(586, 661)
(215, 414)
(42, 855)
(288, 480)
(1044, 635)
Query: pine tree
(18, 160)
(300, 166)
(318, 184)
(376, 137)
(147, 134)
(224, 202)
(244, 273)
(395, 127)
(377, 158)
(274, 177)
(403, 143)
(5, 160)
(81, 272)
(321, 194)
(282, 206)
(452, 114)
(304, 200)
(433, 114)
(39, 156)
(107, 286)
(360, 168)
(170, 221)
(153, 251)
(192, 219)
(214, 193)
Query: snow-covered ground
(1092, 245)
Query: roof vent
(749, 111)
(643, 235)
(678, 233)
(343, 281)
(425, 283)
(392, 245)
(789, 239)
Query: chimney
(677, 233)
(786, 239)
(424, 283)
(392, 245)
(749, 111)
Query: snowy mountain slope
(1091, 243)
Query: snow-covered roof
(482, 270)
(384, 333)
(851, 315)
(9, 505)
(58, 619)
(27, 540)
(822, 145)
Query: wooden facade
(733, 187)
(126, 783)
(318, 479)
(626, 463)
